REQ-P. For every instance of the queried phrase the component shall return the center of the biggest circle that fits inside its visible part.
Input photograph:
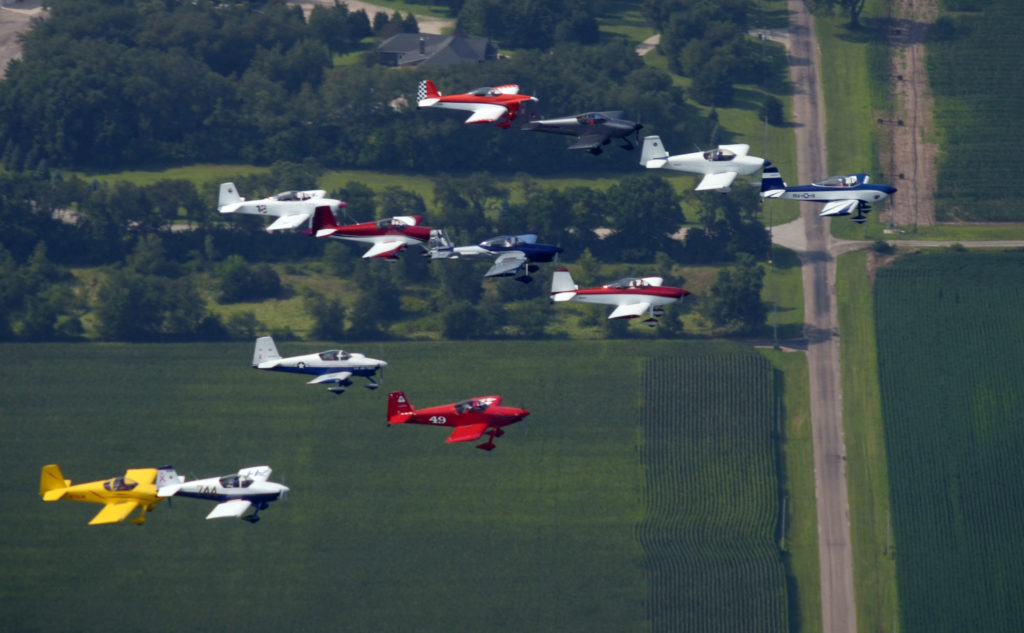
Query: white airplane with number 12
(291, 208)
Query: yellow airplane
(120, 496)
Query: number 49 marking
(438, 419)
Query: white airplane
(720, 166)
(333, 366)
(291, 208)
(632, 296)
(234, 494)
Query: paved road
(821, 330)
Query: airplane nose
(383, 363)
(889, 189)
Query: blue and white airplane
(333, 366)
(234, 494)
(841, 195)
(512, 254)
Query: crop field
(711, 556)
(949, 355)
(385, 529)
(978, 83)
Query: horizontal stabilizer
(468, 433)
(289, 221)
(229, 509)
(590, 141)
(169, 491)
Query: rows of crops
(978, 82)
(950, 349)
(712, 495)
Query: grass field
(385, 529)
(949, 357)
(867, 468)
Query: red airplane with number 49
(472, 418)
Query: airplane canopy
(120, 484)
(719, 154)
(235, 481)
(628, 282)
(471, 405)
(504, 241)
(591, 118)
(335, 354)
(838, 181)
(284, 196)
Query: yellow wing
(114, 512)
(141, 475)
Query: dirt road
(15, 18)
(821, 330)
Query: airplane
(120, 496)
(234, 494)
(333, 366)
(720, 166)
(511, 253)
(388, 236)
(632, 296)
(594, 129)
(841, 195)
(472, 418)
(292, 208)
(495, 104)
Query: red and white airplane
(632, 296)
(495, 104)
(388, 236)
(472, 418)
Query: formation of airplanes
(632, 297)
(141, 489)
(472, 418)
(513, 255)
(592, 129)
(335, 366)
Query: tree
(853, 8)
(736, 297)
(241, 282)
(328, 316)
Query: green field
(949, 357)
(385, 529)
(712, 498)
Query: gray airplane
(594, 129)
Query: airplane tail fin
(52, 484)
(229, 200)
(324, 223)
(654, 154)
(440, 246)
(398, 406)
(265, 350)
(427, 95)
(772, 184)
(167, 476)
(563, 288)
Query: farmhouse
(424, 49)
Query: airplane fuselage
(494, 415)
(356, 363)
(696, 163)
(655, 295)
(814, 193)
(210, 489)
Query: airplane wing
(141, 475)
(114, 512)
(507, 263)
(468, 433)
(338, 376)
(385, 249)
(289, 221)
(629, 310)
(589, 141)
(720, 180)
(229, 509)
(839, 207)
(487, 113)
